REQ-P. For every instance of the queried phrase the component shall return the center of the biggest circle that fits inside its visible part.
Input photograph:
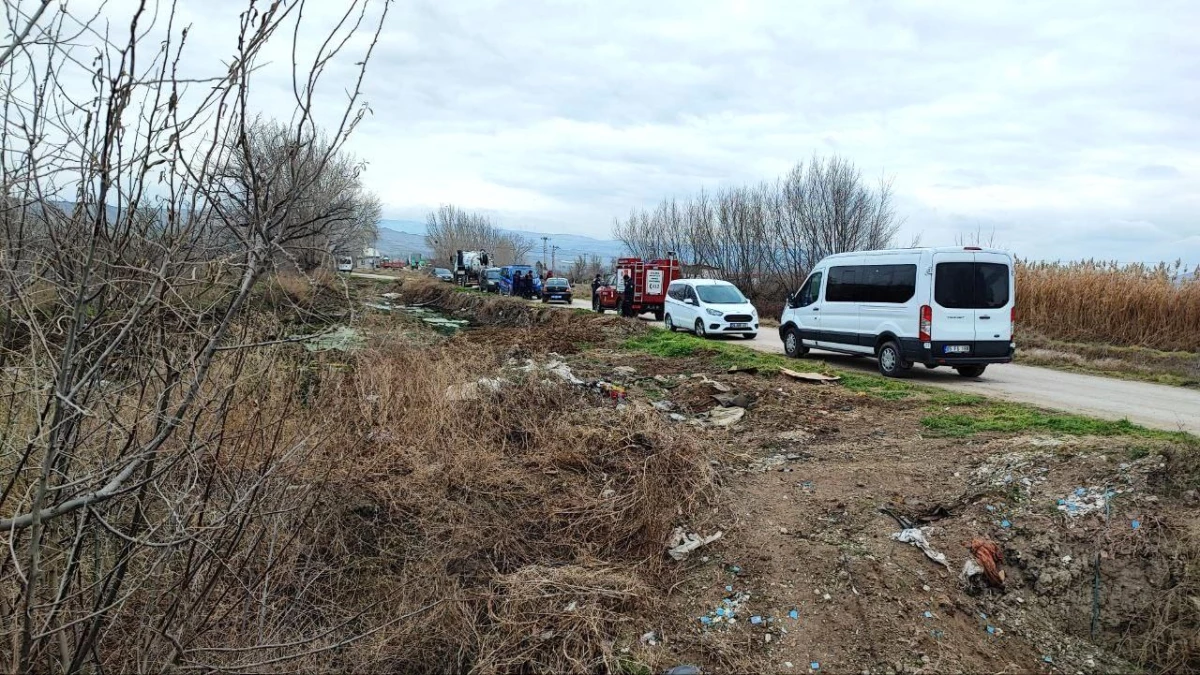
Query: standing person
(596, 285)
(627, 302)
(529, 287)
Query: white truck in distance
(934, 306)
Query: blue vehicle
(508, 272)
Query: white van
(709, 307)
(934, 306)
(345, 263)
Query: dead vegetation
(1106, 303)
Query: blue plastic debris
(735, 569)
(983, 616)
(989, 507)
(928, 614)
(720, 611)
(1079, 492)
(937, 634)
(1005, 524)
(1047, 659)
(756, 620)
(814, 665)
(729, 589)
(991, 630)
(705, 620)
(1136, 524)
(794, 614)
(1061, 502)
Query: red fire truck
(650, 281)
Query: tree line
(450, 229)
(766, 237)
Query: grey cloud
(1024, 114)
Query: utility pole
(545, 240)
(553, 254)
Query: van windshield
(720, 294)
(970, 285)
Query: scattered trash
(1005, 524)
(470, 391)
(733, 400)
(719, 386)
(625, 370)
(928, 614)
(809, 377)
(724, 417)
(794, 614)
(937, 634)
(682, 543)
(649, 639)
(664, 406)
(726, 613)
(340, 339)
(767, 638)
(1047, 659)
(916, 537)
(1136, 524)
(989, 556)
(749, 370)
(787, 664)
(684, 670)
(991, 630)
(729, 589)
(970, 570)
(756, 620)
(1086, 500)
(814, 665)
(735, 569)
(676, 417)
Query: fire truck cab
(649, 278)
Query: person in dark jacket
(529, 287)
(627, 301)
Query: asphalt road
(1152, 405)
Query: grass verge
(993, 416)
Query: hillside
(401, 237)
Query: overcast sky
(1070, 127)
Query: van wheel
(891, 361)
(793, 346)
(971, 371)
(668, 324)
(699, 330)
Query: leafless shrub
(150, 473)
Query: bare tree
(334, 214)
(765, 238)
(144, 492)
(450, 229)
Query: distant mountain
(403, 237)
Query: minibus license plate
(958, 349)
(739, 325)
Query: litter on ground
(916, 537)
(683, 542)
(809, 377)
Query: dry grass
(486, 519)
(1107, 303)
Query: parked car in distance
(345, 263)
(443, 274)
(934, 306)
(557, 289)
(709, 307)
(507, 274)
(491, 280)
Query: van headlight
(713, 312)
